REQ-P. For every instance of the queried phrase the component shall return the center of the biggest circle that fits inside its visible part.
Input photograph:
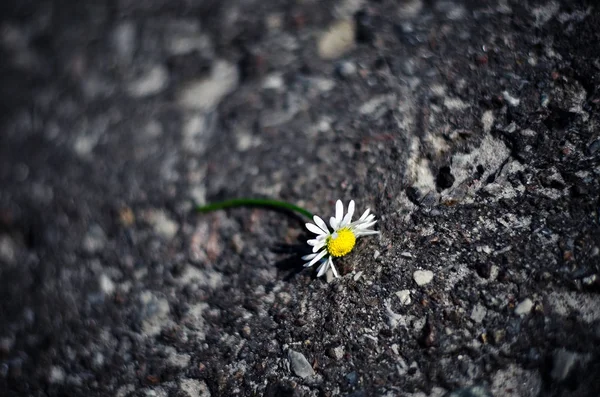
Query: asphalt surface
(471, 130)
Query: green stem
(245, 202)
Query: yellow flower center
(341, 242)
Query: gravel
(300, 364)
(524, 307)
(423, 277)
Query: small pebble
(590, 280)
(404, 296)
(512, 101)
(300, 364)
(337, 352)
(106, 284)
(524, 307)
(357, 275)
(57, 375)
(346, 69)
(8, 249)
(338, 40)
(152, 82)
(423, 277)
(206, 94)
(478, 313)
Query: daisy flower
(340, 240)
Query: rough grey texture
(470, 128)
(300, 364)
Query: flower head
(338, 242)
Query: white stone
(150, 83)
(194, 388)
(163, 225)
(478, 313)
(206, 94)
(198, 194)
(423, 277)
(528, 133)
(524, 307)
(338, 352)
(404, 297)
(357, 275)
(57, 374)
(487, 119)
(347, 69)
(338, 40)
(106, 284)
(273, 81)
(455, 104)
(300, 364)
(410, 8)
(8, 249)
(246, 141)
(512, 101)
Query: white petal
(315, 229)
(308, 257)
(364, 222)
(316, 258)
(320, 223)
(318, 247)
(339, 211)
(333, 269)
(366, 233)
(348, 218)
(334, 223)
(323, 268)
(314, 241)
(363, 216)
(367, 218)
(366, 225)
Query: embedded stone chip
(423, 277)
(300, 364)
(524, 307)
